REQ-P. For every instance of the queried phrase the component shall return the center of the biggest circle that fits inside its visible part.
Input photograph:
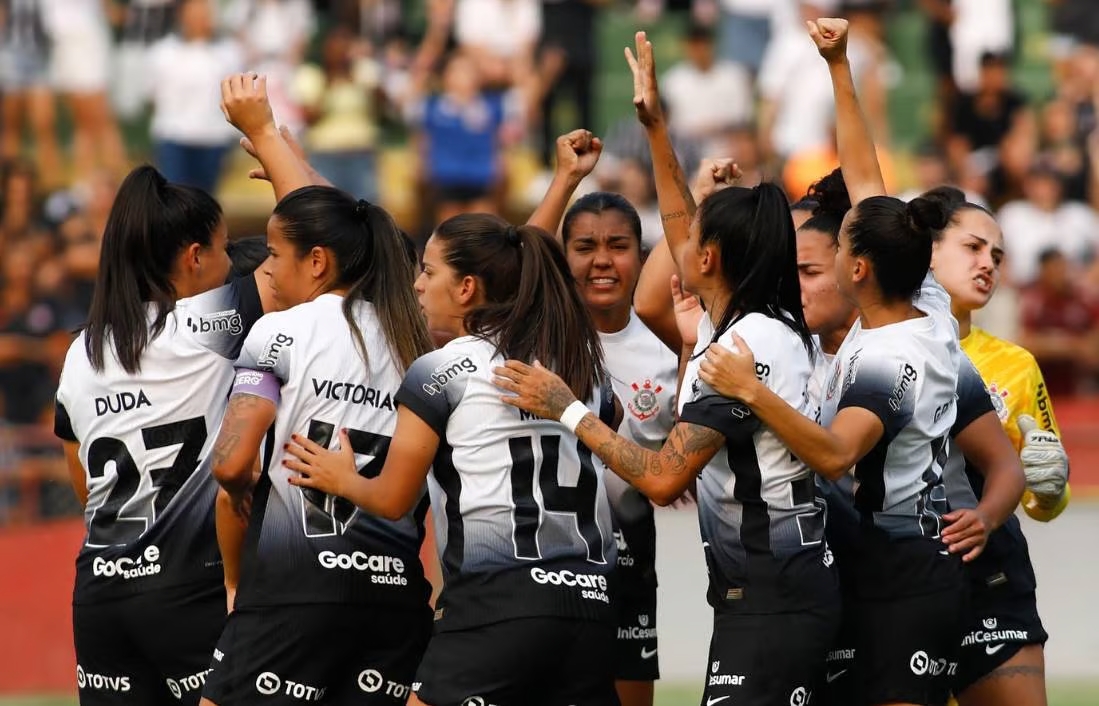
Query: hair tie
(362, 208)
(512, 236)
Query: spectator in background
(24, 84)
(144, 23)
(339, 98)
(190, 135)
(500, 38)
(747, 28)
(930, 169)
(80, 61)
(459, 128)
(992, 124)
(1063, 145)
(977, 28)
(708, 97)
(566, 65)
(18, 205)
(275, 35)
(940, 54)
(797, 108)
(1060, 325)
(1044, 220)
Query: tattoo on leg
(1024, 670)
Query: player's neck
(965, 320)
(610, 320)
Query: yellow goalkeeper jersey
(1016, 386)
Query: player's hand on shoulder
(533, 388)
(319, 468)
(732, 373)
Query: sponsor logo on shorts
(227, 321)
(832, 676)
(647, 653)
(641, 631)
(218, 654)
(384, 569)
(187, 684)
(371, 681)
(800, 696)
(837, 655)
(476, 701)
(594, 585)
(993, 649)
(992, 635)
(711, 700)
(269, 684)
(923, 664)
(723, 679)
(126, 568)
(101, 682)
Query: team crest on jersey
(645, 403)
(999, 401)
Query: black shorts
(150, 648)
(836, 686)
(294, 654)
(998, 626)
(635, 648)
(906, 648)
(768, 659)
(524, 662)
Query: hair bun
(950, 197)
(362, 208)
(927, 214)
(512, 236)
(830, 193)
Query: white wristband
(573, 414)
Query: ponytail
(532, 309)
(150, 223)
(371, 258)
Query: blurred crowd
(464, 90)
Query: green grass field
(1061, 693)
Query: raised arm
(244, 103)
(662, 476)
(577, 154)
(858, 159)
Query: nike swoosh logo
(832, 677)
(993, 649)
(646, 654)
(711, 702)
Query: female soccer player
(602, 236)
(888, 409)
(141, 395)
(1001, 655)
(762, 530)
(522, 520)
(332, 603)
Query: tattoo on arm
(686, 447)
(665, 217)
(235, 422)
(681, 184)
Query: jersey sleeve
(269, 347)
(884, 385)
(973, 399)
(221, 318)
(435, 384)
(732, 417)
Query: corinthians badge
(645, 403)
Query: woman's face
(826, 310)
(214, 260)
(439, 291)
(290, 275)
(604, 256)
(967, 259)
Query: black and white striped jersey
(144, 441)
(522, 521)
(906, 374)
(303, 546)
(643, 373)
(762, 527)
